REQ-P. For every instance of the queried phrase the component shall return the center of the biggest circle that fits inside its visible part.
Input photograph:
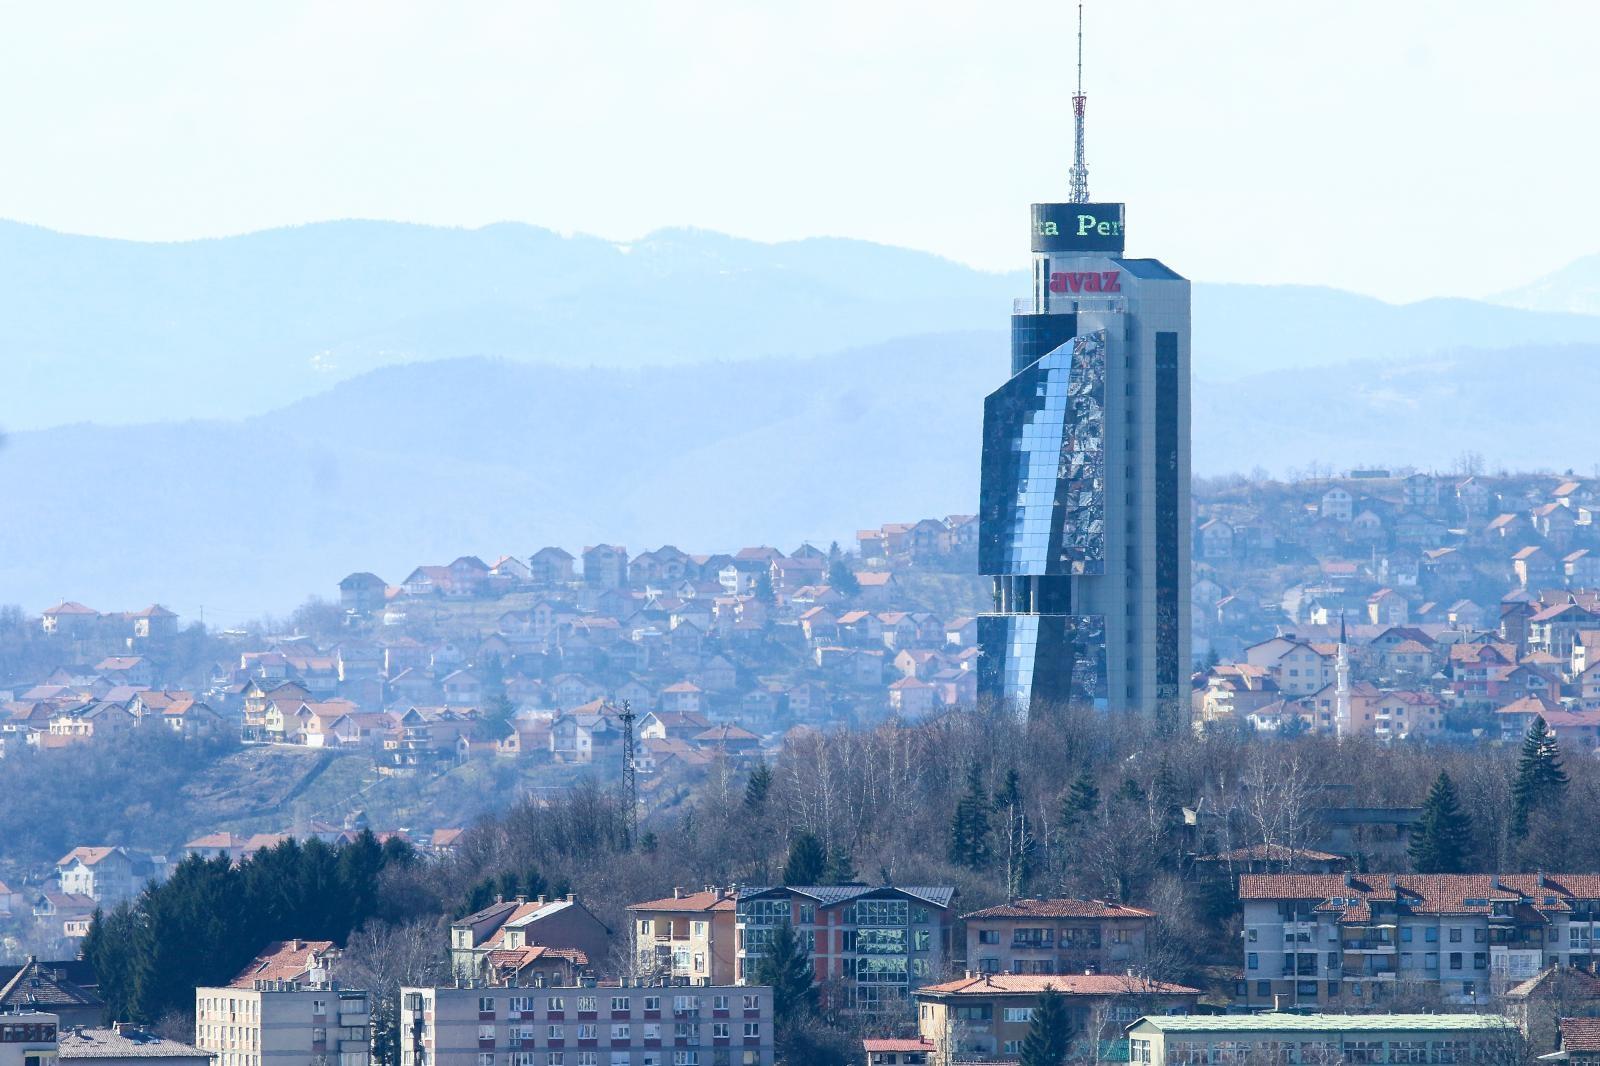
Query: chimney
(677, 891)
(1349, 879)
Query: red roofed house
(295, 962)
(1039, 936)
(479, 942)
(69, 619)
(986, 1017)
(898, 1050)
(686, 935)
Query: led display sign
(1068, 228)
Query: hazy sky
(1395, 148)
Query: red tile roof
(689, 902)
(1423, 893)
(1580, 1034)
(281, 960)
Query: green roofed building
(1318, 1039)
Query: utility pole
(630, 783)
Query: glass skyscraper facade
(1083, 514)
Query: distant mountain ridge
(97, 330)
(1573, 288)
(426, 461)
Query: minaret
(1080, 169)
(1341, 686)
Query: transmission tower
(630, 782)
(1080, 169)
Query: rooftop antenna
(1080, 169)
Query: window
(652, 1003)
(588, 1031)
(752, 1030)
(719, 1002)
(485, 1058)
(485, 1004)
(1018, 1014)
(556, 1032)
(1405, 934)
(1455, 936)
(1250, 935)
(992, 936)
(698, 928)
(644, 926)
(622, 1032)
(1431, 934)
(1430, 960)
(1480, 960)
(1263, 988)
(587, 1004)
(752, 1002)
(1253, 961)
(486, 1032)
(989, 965)
(808, 913)
(1455, 960)
(720, 1030)
(621, 1004)
(1479, 935)
(556, 1003)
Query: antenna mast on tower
(1080, 169)
(630, 783)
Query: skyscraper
(1084, 506)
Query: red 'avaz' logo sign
(1086, 281)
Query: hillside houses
(1457, 598)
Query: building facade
(873, 944)
(688, 935)
(28, 1038)
(1048, 936)
(635, 1024)
(1313, 1039)
(283, 1023)
(986, 1017)
(1084, 500)
(1346, 941)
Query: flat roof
(1270, 1022)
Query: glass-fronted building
(1083, 514)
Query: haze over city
(559, 534)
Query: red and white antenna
(1080, 169)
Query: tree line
(203, 924)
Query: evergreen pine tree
(757, 788)
(1049, 1032)
(786, 967)
(808, 861)
(1080, 803)
(841, 868)
(1540, 778)
(1442, 841)
(969, 827)
(842, 579)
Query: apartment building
(1346, 941)
(687, 935)
(28, 1038)
(1322, 1038)
(635, 1023)
(283, 1023)
(873, 943)
(982, 1017)
(1045, 936)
